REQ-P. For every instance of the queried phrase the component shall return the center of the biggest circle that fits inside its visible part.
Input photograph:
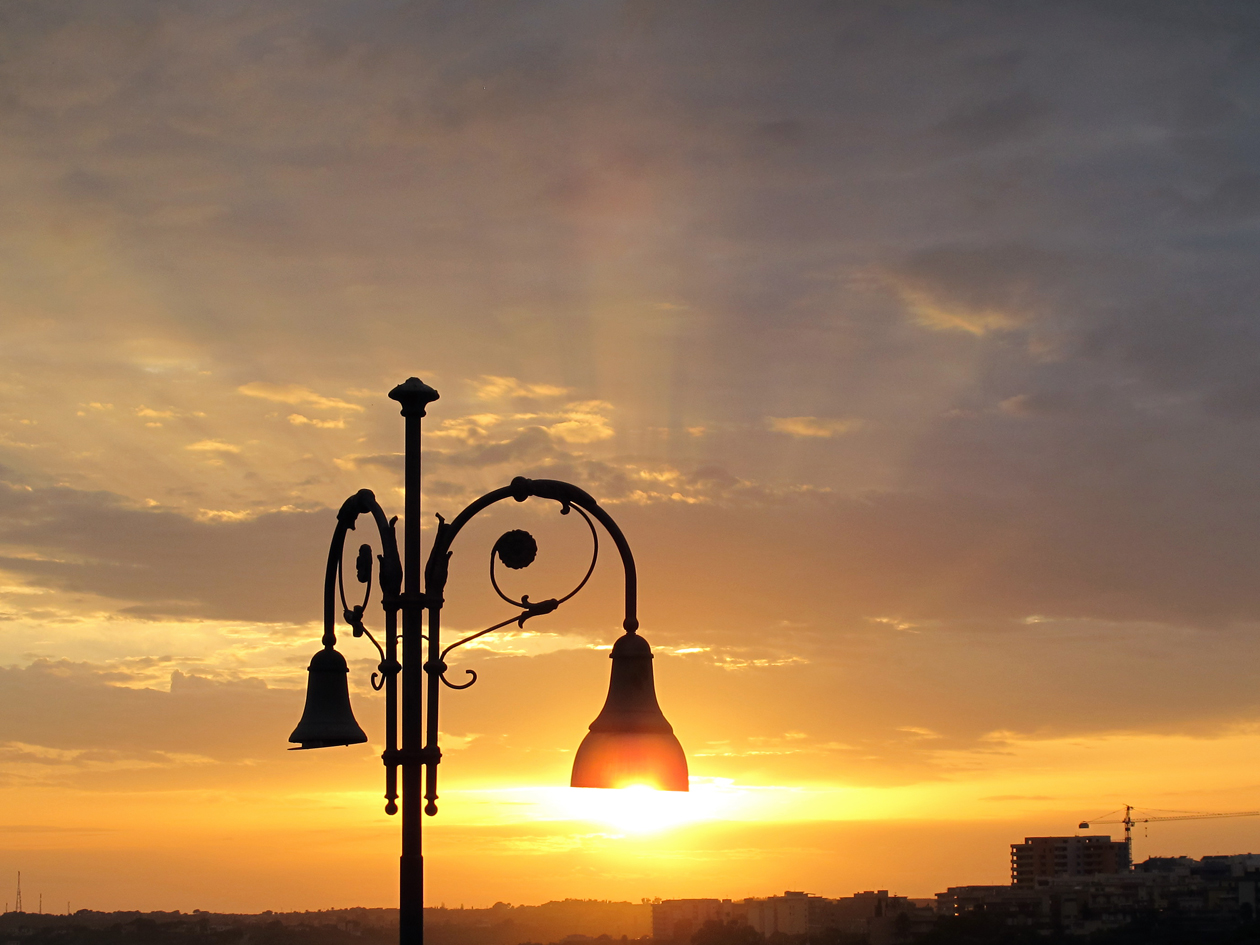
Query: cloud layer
(914, 345)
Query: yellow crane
(1150, 817)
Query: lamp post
(629, 743)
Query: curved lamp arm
(520, 489)
(363, 501)
(391, 574)
(436, 572)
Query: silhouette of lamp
(630, 743)
(327, 720)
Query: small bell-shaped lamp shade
(327, 719)
(630, 743)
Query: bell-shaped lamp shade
(327, 719)
(630, 743)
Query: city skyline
(912, 345)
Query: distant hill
(501, 924)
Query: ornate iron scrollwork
(515, 549)
(390, 584)
(353, 616)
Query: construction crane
(1129, 820)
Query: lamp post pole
(414, 396)
(629, 743)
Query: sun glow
(639, 808)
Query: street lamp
(629, 744)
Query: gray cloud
(157, 562)
(1072, 548)
(85, 717)
(995, 121)
(1016, 242)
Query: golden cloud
(939, 315)
(213, 446)
(492, 387)
(813, 426)
(298, 420)
(581, 427)
(294, 394)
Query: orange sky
(914, 349)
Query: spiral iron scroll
(354, 615)
(517, 549)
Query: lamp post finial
(413, 394)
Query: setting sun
(639, 808)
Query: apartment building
(1044, 858)
(674, 920)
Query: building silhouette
(1209, 896)
(678, 919)
(873, 913)
(1044, 858)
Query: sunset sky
(914, 345)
